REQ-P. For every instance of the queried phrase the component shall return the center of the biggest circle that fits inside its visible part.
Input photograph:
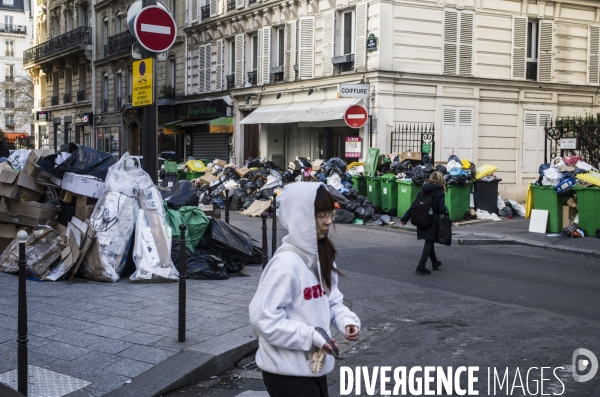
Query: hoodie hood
(297, 216)
(430, 188)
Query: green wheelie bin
(360, 183)
(458, 201)
(588, 209)
(407, 193)
(374, 190)
(389, 193)
(546, 198)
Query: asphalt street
(508, 308)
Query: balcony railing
(230, 81)
(251, 1)
(67, 98)
(10, 53)
(42, 103)
(531, 73)
(230, 5)
(9, 79)
(10, 28)
(9, 104)
(54, 100)
(105, 105)
(119, 43)
(118, 100)
(74, 38)
(81, 96)
(10, 126)
(252, 77)
(205, 12)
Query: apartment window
(82, 15)
(280, 46)
(254, 52)
(8, 21)
(347, 32)
(8, 2)
(9, 48)
(55, 84)
(232, 56)
(105, 32)
(9, 96)
(173, 71)
(118, 89)
(68, 21)
(9, 72)
(532, 50)
(9, 121)
(68, 81)
(130, 82)
(104, 93)
(118, 24)
(82, 77)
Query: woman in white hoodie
(298, 292)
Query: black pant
(295, 386)
(428, 252)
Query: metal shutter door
(209, 146)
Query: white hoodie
(289, 301)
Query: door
(534, 139)
(457, 132)
(251, 143)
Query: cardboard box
(242, 172)
(257, 208)
(207, 178)
(316, 165)
(19, 186)
(82, 185)
(84, 207)
(567, 213)
(26, 213)
(6, 166)
(31, 167)
(409, 155)
(221, 163)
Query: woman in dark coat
(435, 186)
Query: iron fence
(205, 12)
(73, 39)
(579, 132)
(54, 100)
(252, 77)
(414, 137)
(67, 98)
(80, 95)
(230, 81)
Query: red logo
(314, 292)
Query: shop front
(108, 133)
(311, 129)
(83, 129)
(208, 127)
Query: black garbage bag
(253, 163)
(364, 213)
(352, 193)
(343, 216)
(360, 199)
(337, 196)
(227, 240)
(462, 180)
(451, 180)
(441, 168)
(426, 158)
(395, 167)
(338, 162)
(183, 194)
(84, 160)
(543, 168)
(386, 219)
(418, 176)
(384, 169)
(201, 266)
(175, 253)
(455, 158)
(218, 202)
(233, 266)
(336, 170)
(374, 222)
(407, 165)
(352, 205)
(256, 253)
(505, 212)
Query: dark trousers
(295, 386)
(428, 252)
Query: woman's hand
(351, 332)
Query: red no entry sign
(155, 29)
(356, 116)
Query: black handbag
(445, 230)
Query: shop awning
(222, 125)
(298, 112)
(192, 123)
(173, 128)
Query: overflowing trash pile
(89, 214)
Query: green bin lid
(371, 162)
(388, 177)
(170, 167)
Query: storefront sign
(143, 86)
(569, 143)
(204, 110)
(354, 91)
(353, 147)
(372, 42)
(83, 119)
(111, 119)
(42, 116)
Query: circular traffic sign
(155, 29)
(135, 9)
(356, 116)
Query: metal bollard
(265, 244)
(182, 284)
(274, 229)
(22, 371)
(226, 205)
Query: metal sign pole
(149, 138)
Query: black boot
(422, 270)
(436, 265)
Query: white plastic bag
(335, 181)
(453, 164)
(518, 208)
(486, 216)
(585, 166)
(500, 203)
(557, 162)
(18, 159)
(551, 177)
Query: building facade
(486, 74)
(16, 34)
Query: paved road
(503, 307)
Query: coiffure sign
(354, 91)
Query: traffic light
(22, 136)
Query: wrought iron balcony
(9, 104)
(9, 78)
(81, 96)
(10, 28)
(10, 53)
(74, 39)
(54, 100)
(251, 1)
(531, 73)
(10, 126)
(205, 12)
(230, 81)
(119, 43)
(230, 5)
(118, 100)
(105, 105)
(42, 103)
(252, 77)
(67, 98)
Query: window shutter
(259, 55)
(360, 38)
(545, 52)
(289, 74)
(194, 66)
(239, 60)
(450, 41)
(464, 144)
(519, 48)
(306, 61)
(265, 50)
(328, 42)
(449, 130)
(214, 8)
(593, 54)
(465, 66)
(194, 13)
(534, 139)
(207, 67)
(239, 4)
(201, 69)
(219, 66)
(189, 62)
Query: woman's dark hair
(324, 202)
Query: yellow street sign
(143, 86)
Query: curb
(184, 368)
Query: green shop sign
(204, 110)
